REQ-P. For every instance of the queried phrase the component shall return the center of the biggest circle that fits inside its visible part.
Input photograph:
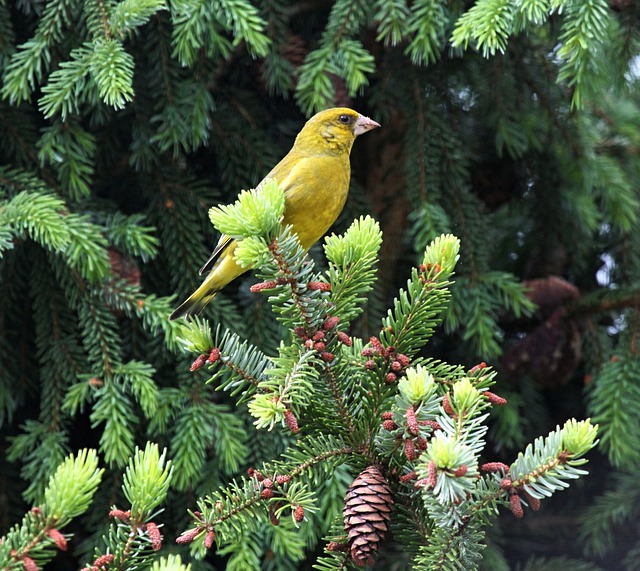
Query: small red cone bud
(298, 514)
(300, 332)
(344, 338)
(390, 378)
(431, 423)
(446, 405)
(403, 359)
(308, 343)
(189, 535)
(214, 355)
(432, 474)
(460, 471)
(408, 477)
(281, 479)
(251, 471)
(104, 560)
(273, 518)
(291, 421)
(209, 539)
(389, 425)
(534, 503)
(422, 443)
(377, 346)
(198, 363)
(318, 336)
(370, 365)
(319, 286)
(335, 546)
(367, 352)
(396, 366)
(506, 484)
(494, 467)
(266, 494)
(256, 288)
(35, 510)
(477, 368)
(412, 421)
(428, 267)
(326, 356)
(516, 506)
(29, 564)
(387, 415)
(258, 475)
(267, 483)
(319, 346)
(410, 449)
(389, 351)
(494, 398)
(58, 538)
(154, 535)
(121, 515)
(330, 323)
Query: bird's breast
(316, 198)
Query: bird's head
(334, 130)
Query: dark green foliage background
(514, 125)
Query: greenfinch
(314, 176)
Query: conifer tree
(511, 125)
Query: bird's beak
(364, 124)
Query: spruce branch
(417, 310)
(31, 62)
(133, 535)
(264, 495)
(338, 54)
(68, 494)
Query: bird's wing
(286, 173)
(220, 246)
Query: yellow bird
(314, 176)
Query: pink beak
(364, 124)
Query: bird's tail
(194, 304)
(224, 270)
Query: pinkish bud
(154, 535)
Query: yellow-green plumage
(315, 177)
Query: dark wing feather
(222, 244)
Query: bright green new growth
(253, 213)
(146, 480)
(133, 535)
(72, 487)
(67, 495)
(170, 563)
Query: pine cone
(366, 513)
(295, 50)
(551, 292)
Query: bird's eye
(345, 119)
